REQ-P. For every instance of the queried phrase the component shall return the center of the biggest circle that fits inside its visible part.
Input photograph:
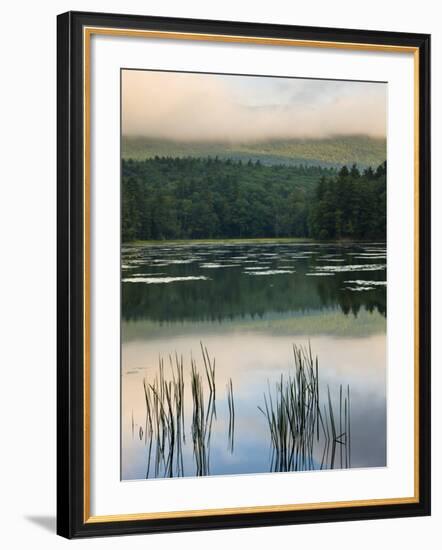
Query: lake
(219, 349)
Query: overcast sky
(194, 107)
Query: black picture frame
(72, 521)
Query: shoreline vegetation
(201, 199)
(304, 431)
(248, 240)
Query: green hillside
(333, 152)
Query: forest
(196, 198)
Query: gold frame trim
(87, 34)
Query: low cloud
(195, 107)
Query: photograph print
(253, 274)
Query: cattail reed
(304, 433)
(164, 432)
(231, 406)
(296, 423)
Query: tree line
(191, 198)
(351, 205)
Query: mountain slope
(335, 151)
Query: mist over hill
(335, 151)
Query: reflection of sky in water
(251, 339)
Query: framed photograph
(243, 274)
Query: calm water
(248, 305)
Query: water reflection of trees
(230, 295)
(335, 292)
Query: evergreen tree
(187, 198)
